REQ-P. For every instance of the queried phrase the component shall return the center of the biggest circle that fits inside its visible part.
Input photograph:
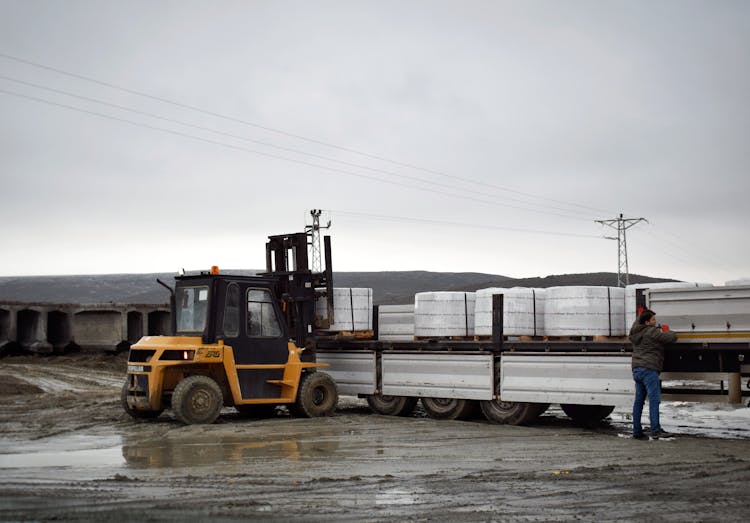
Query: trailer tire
(256, 411)
(317, 396)
(134, 413)
(587, 413)
(512, 412)
(392, 405)
(449, 408)
(197, 400)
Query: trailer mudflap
(580, 379)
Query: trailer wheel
(197, 400)
(449, 408)
(392, 405)
(137, 414)
(512, 412)
(256, 411)
(317, 396)
(587, 413)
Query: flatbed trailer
(514, 381)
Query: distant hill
(400, 287)
(394, 287)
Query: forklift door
(253, 327)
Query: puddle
(159, 454)
(108, 457)
(90, 450)
(71, 450)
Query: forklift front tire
(317, 396)
(197, 400)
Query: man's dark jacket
(648, 346)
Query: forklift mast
(298, 287)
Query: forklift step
(283, 383)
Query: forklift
(239, 341)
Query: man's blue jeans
(646, 384)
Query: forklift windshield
(192, 303)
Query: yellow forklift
(238, 341)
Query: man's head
(647, 317)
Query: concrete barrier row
(49, 328)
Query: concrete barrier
(54, 328)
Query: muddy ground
(68, 452)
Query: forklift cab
(244, 313)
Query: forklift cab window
(232, 311)
(261, 316)
(192, 303)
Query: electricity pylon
(314, 232)
(622, 225)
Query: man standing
(648, 358)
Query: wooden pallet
(450, 338)
(350, 335)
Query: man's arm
(664, 337)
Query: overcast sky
(478, 136)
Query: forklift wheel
(197, 399)
(317, 396)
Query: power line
(692, 249)
(459, 224)
(250, 140)
(284, 133)
(269, 155)
(684, 260)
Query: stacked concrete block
(396, 322)
(444, 314)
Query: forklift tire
(317, 396)
(197, 400)
(392, 405)
(136, 414)
(449, 408)
(512, 412)
(587, 413)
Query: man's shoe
(660, 434)
(640, 435)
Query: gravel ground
(69, 453)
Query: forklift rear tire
(197, 400)
(317, 396)
(137, 414)
(392, 405)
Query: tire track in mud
(60, 378)
(352, 466)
